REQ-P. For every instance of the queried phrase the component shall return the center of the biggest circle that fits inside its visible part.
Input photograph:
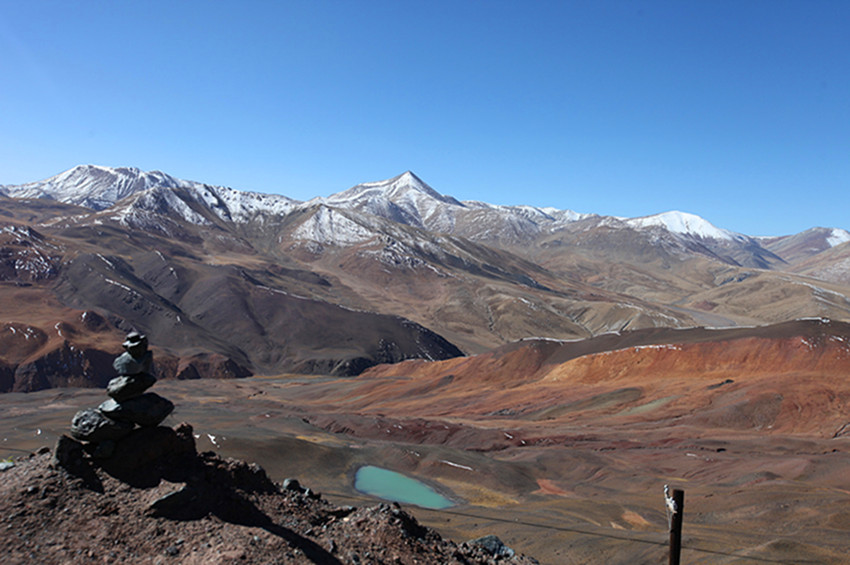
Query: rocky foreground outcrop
(156, 500)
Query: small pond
(390, 485)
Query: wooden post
(676, 527)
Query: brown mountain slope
(222, 312)
(478, 297)
(789, 377)
(831, 265)
(710, 291)
(805, 245)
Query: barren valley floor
(588, 491)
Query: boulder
(95, 426)
(293, 485)
(494, 546)
(126, 364)
(68, 453)
(147, 410)
(128, 386)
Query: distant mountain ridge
(95, 187)
(405, 198)
(335, 284)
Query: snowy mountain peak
(405, 198)
(683, 223)
(409, 178)
(406, 185)
(408, 181)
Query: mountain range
(231, 283)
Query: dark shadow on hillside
(223, 491)
(249, 515)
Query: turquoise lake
(390, 485)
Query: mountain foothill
(228, 283)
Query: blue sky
(738, 111)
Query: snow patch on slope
(837, 237)
(147, 209)
(234, 205)
(330, 227)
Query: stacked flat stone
(129, 405)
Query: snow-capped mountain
(142, 199)
(409, 200)
(698, 235)
(95, 187)
(130, 195)
(406, 199)
(404, 187)
(683, 223)
(101, 188)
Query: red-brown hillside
(790, 377)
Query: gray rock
(494, 546)
(67, 454)
(6, 465)
(95, 426)
(126, 364)
(129, 386)
(293, 485)
(147, 410)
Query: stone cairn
(129, 405)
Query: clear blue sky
(738, 111)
